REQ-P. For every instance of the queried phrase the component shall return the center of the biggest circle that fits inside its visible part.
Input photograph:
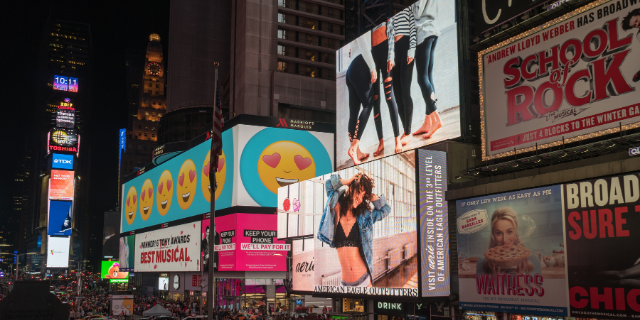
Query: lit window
(282, 66)
(282, 34)
(282, 50)
(281, 18)
(311, 25)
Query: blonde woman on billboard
(347, 225)
(504, 232)
(425, 13)
(401, 35)
(361, 75)
(379, 51)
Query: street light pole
(212, 182)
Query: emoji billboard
(178, 188)
(270, 158)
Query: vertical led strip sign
(434, 223)
(568, 80)
(422, 87)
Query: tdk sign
(634, 151)
(62, 161)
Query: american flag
(218, 122)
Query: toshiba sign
(568, 80)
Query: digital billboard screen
(58, 252)
(61, 185)
(111, 270)
(567, 80)
(73, 84)
(60, 83)
(397, 86)
(63, 139)
(248, 242)
(163, 283)
(65, 117)
(127, 252)
(372, 251)
(60, 218)
(434, 223)
(169, 249)
(178, 188)
(62, 161)
(264, 158)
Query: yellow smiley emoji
(165, 192)
(146, 199)
(187, 181)
(221, 174)
(283, 163)
(131, 205)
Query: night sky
(115, 27)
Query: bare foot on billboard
(405, 139)
(436, 124)
(398, 145)
(380, 148)
(362, 155)
(353, 152)
(425, 126)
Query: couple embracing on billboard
(406, 39)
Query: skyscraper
(147, 103)
(63, 77)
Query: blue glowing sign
(62, 161)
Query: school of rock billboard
(567, 80)
(562, 250)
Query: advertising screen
(73, 84)
(303, 265)
(416, 103)
(60, 218)
(511, 252)
(60, 83)
(169, 249)
(570, 79)
(65, 117)
(62, 161)
(111, 270)
(127, 252)
(62, 139)
(58, 252)
(434, 223)
(269, 158)
(61, 185)
(163, 284)
(370, 252)
(121, 303)
(248, 242)
(179, 188)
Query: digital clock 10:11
(63, 83)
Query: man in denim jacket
(336, 187)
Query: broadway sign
(572, 79)
(169, 249)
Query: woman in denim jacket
(347, 225)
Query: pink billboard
(248, 242)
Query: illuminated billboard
(397, 86)
(58, 252)
(255, 162)
(63, 83)
(567, 80)
(60, 218)
(248, 242)
(111, 270)
(434, 223)
(127, 252)
(62, 161)
(169, 249)
(378, 243)
(61, 185)
(63, 140)
(65, 117)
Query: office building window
(282, 34)
(282, 18)
(282, 50)
(282, 66)
(311, 55)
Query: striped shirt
(402, 24)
